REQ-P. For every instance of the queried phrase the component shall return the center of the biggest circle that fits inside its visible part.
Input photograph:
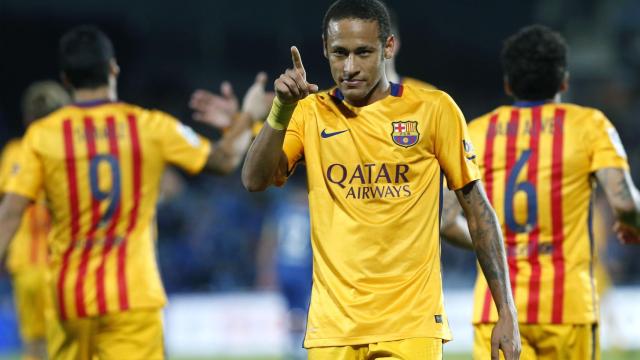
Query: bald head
(42, 98)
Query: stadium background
(210, 227)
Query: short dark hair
(394, 24)
(534, 61)
(368, 10)
(84, 54)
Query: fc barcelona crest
(405, 133)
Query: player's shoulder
(581, 111)
(140, 112)
(417, 83)
(482, 120)
(12, 145)
(11, 149)
(583, 117)
(411, 93)
(147, 118)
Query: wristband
(280, 114)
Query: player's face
(356, 57)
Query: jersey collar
(92, 103)
(523, 103)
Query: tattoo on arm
(454, 228)
(621, 194)
(487, 241)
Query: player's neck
(392, 74)
(379, 92)
(100, 93)
(529, 103)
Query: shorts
(29, 291)
(545, 342)
(407, 349)
(130, 335)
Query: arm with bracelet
(266, 158)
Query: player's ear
(396, 46)
(564, 85)
(389, 46)
(114, 69)
(507, 86)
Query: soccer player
(539, 158)
(27, 256)
(99, 162)
(374, 153)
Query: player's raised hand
(506, 337)
(214, 110)
(292, 85)
(257, 101)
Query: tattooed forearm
(454, 228)
(621, 194)
(487, 242)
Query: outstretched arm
(214, 110)
(265, 158)
(11, 209)
(624, 199)
(226, 154)
(489, 248)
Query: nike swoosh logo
(326, 135)
(471, 157)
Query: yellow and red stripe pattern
(100, 165)
(537, 160)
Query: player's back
(537, 162)
(101, 164)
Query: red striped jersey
(100, 164)
(28, 248)
(537, 161)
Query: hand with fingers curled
(505, 337)
(212, 109)
(290, 87)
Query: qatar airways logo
(370, 181)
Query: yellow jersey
(375, 177)
(100, 165)
(537, 161)
(28, 248)
(602, 222)
(405, 80)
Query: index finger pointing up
(297, 60)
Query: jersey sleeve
(605, 147)
(180, 145)
(25, 175)
(453, 147)
(293, 145)
(6, 164)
